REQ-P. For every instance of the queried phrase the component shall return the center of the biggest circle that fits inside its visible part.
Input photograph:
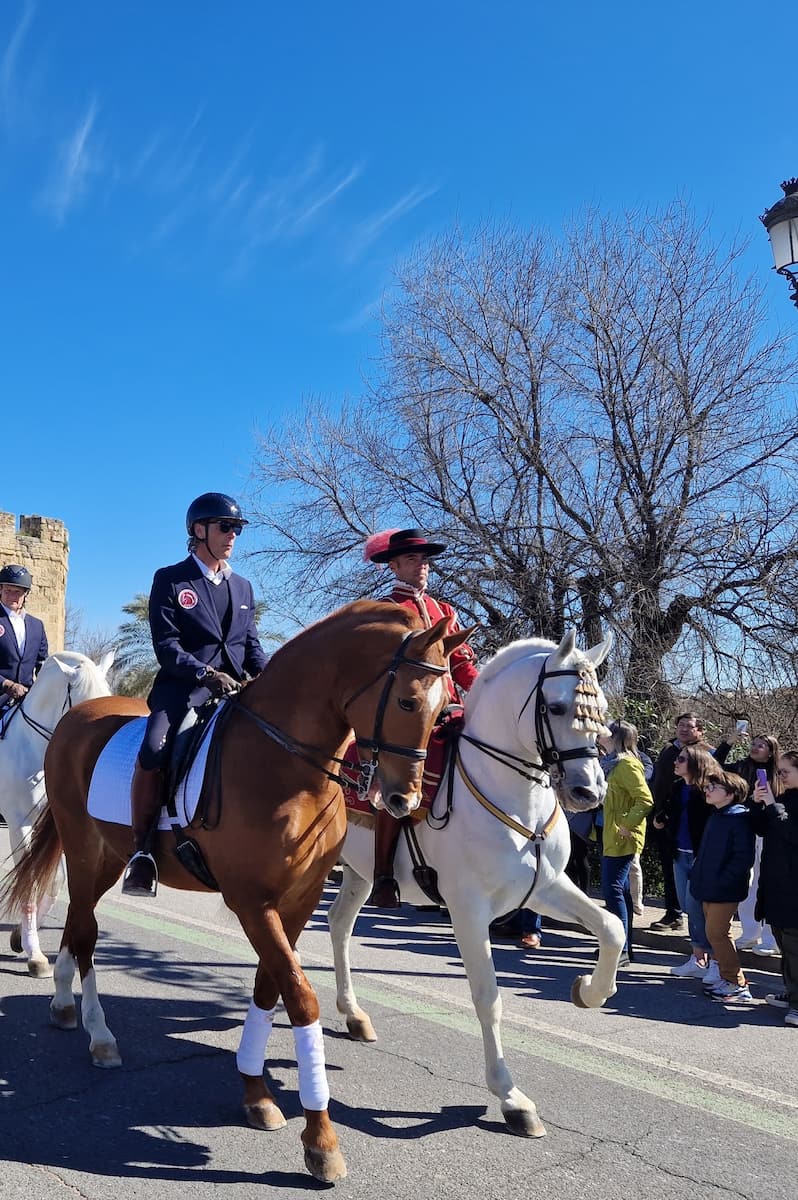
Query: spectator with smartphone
(689, 732)
(763, 756)
(777, 897)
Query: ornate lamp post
(781, 222)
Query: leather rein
(375, 744)
(19, 707)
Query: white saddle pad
(109, 790)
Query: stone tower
(42, 545)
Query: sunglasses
(682, 758)
(229, 527)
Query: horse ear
(600, 652)
(105, 663)
(453, 640)
(427, 637)
(566, 646)
(65, 668)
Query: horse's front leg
(281, 974)
(471, 931)
(341, 917)
(563, 900)
(260, 1107)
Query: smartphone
(742, 727)
(762, 776)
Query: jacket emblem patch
(187, 598)
(2, 630)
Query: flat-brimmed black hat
(407, 541)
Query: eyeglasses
(229, 527)
(682, 758)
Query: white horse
(65, 679)
(531, 720)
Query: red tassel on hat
(376, 543)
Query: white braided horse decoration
(65, 679)
(528, 745)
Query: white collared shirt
(17, 624)
(214, 577)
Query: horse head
(569, 710)
(65, 679)
(394, 714)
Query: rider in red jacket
(407, 552)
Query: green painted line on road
(678, 1090)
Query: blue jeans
(682, 866)
(615, 890)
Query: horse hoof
(576, 992)
(361, 1029)
(265, 1115)
(325, 1165)
(40, 968)
(64, 1018)
(16, 940)
(105, 1055)
(525, 1123)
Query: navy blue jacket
(187, 634)
(21, 667)
(722, 869)
(777, 895)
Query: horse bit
(375, 743)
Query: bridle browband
(306, 752)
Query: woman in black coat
(777, 896)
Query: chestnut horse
(281, 825)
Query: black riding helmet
(213, 506)
(17, 576)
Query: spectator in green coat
(626, 805)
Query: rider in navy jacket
(202, 620)
(18, 668)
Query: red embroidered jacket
(461, 663)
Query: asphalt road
(662, 1094)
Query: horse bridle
(544, 734)
(375, 743)
(37, 726)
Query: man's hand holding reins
(220, 684)
(13, 689)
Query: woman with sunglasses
(764, 754)
(685, 818)
(202, 620)
(776, 819)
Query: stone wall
(42, 545)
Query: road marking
(684, 1084)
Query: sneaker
(668, 922)
(712, 977)
(733, 992)
(691, 969)
(777, 1000)
(744, 943)
(767, 951)
(791, 1017)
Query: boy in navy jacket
(720, 876)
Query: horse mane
(505, 657)
(357, 611)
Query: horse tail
(35, 873)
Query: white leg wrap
(314, 1091)
(254, 1036)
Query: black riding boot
(385, 892)
(141, 876)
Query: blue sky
(201, 204)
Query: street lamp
(781, 222)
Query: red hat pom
(377, 543)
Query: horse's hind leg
(470, 926)
(563, 900)
(341, 917)
(282, 975)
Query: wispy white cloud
(76, 162)
(10, 83)
(368, 231)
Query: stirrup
(385, 893)
(141, 876)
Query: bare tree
(602, 431)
